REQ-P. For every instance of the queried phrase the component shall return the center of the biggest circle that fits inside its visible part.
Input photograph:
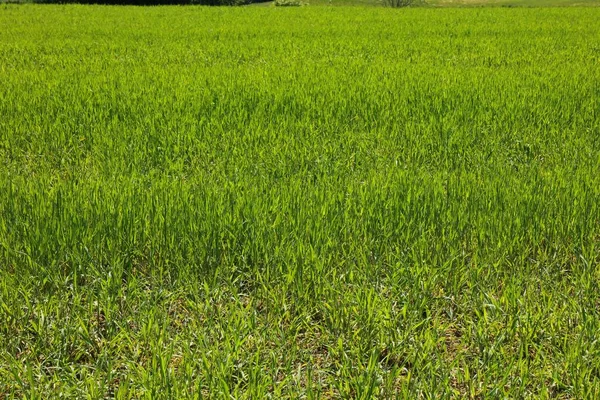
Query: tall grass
(320, 203)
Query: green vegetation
(288, 3)
(308, 202)
(511, 3)
(361, 3)
(457, 3)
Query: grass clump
(380, 205)
(288, 3)
(399, 3)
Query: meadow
(299, 203)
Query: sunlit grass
(299, 202)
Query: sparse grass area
(319, 203)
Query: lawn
(299, 203)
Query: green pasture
(305, 202)
(451, 3)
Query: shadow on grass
(140, 2)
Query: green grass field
(452, 3)
(506, 3)
(299, 203)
